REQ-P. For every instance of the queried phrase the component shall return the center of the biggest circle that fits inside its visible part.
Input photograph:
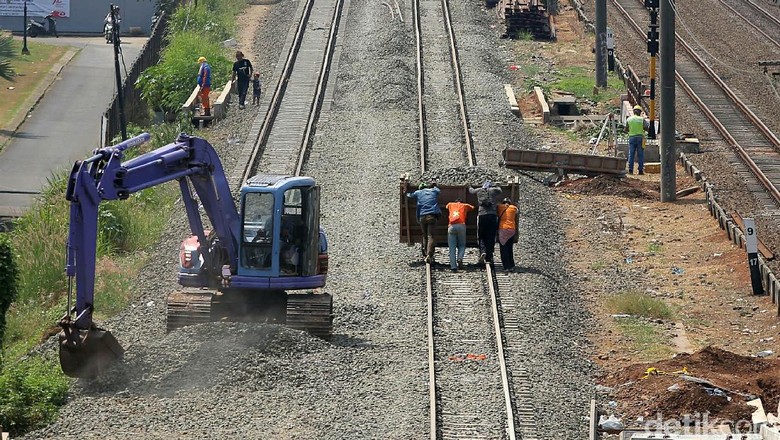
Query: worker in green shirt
(635, 127)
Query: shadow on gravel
(342, 340)
(535, 271)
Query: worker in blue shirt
(204, 85)
(428, 213)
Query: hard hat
(201, 59)
(422, 185)
(638, 107)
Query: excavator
(266, 261)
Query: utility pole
(601, 43)
(652, 49)
(119, 91)
(668, 142)
(25, 51)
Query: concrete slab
(510, 94)
(758, 416)
(543, 103)
(769, 432)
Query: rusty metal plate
(410, 231)
(587, 164)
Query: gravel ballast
(237, 380)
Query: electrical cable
(701, 46)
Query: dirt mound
(612, 186)
(717, 382)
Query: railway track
(752, 141)
(466, 343)
(438, 101)
(757, 17)
(280, 146)
(282, 136)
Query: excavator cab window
(258, 227)
(293, 233)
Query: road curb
(12, 127)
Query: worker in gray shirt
(487, 219)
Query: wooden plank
(762, 248)
(510, 94)
(543, 103)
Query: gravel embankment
(226, 380)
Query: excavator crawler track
(311, 312)
(188, 307)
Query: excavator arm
(85, 349)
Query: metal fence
(135, 109)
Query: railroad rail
(434, 97)
(281, 143)
(753, 142)
(280, 140)
(757, 17)
(466, 344)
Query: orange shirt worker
(456, 231)
(507, 228)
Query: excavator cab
(280, 231)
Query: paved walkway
(65, 124)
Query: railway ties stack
(526, 16)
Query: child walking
(256, 89)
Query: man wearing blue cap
(487, 219)
(428, 212)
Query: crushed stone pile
(462, 176)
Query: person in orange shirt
(507, 228)
(456, 231)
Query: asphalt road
(65, 124)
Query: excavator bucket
(86, 353)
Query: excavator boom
(85, 349)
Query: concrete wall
(86, 17)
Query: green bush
(166, 86)
(8, 274)
(31, 391)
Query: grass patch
(580, 81)
(654, 247)
(598, 265)
(639, 304)
(31, 70)
(645, 338)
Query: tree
(7, 53)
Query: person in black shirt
(242, 70)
